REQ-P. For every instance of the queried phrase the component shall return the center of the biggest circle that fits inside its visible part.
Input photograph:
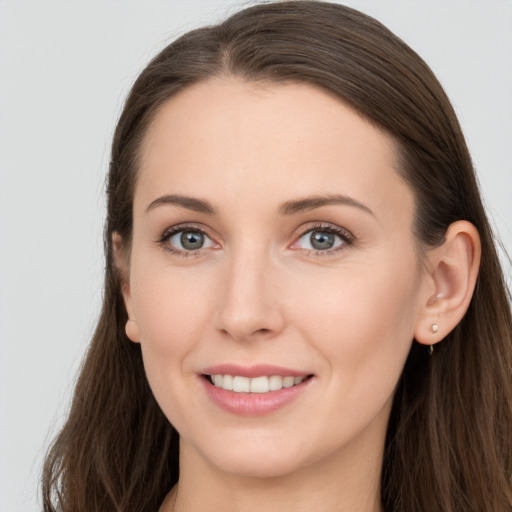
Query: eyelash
(169, 233)
(346, 237)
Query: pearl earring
(434, 329)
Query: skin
(257, 293)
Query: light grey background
(65, 67)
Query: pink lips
(253, 404)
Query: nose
(250, 305)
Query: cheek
(361, 322)
(172, 311)
(169, 304)
(361, 328)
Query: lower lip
(253, 404)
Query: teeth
(275, 382)
(227, 382)
(255, 385)
(288, 382)
(259, 385)
(241, 384)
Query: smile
(254, 391)
(263, 384)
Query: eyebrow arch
(190, 203)
(310, 203)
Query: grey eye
(321, 240)
(188, 240)
(192, 240)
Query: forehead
(253, 138)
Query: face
(272, 253)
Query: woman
(304, 308)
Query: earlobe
(122, 267)
(453, 269)
(132, 331)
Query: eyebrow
(313, 202)
(287, 208)
(190, 203)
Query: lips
(255, 390)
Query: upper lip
(252, 371)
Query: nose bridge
(249, 303)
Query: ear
(123, 269)
(452, 271)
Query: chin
(262, 467)
(254, 458)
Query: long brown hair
(448, 445)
